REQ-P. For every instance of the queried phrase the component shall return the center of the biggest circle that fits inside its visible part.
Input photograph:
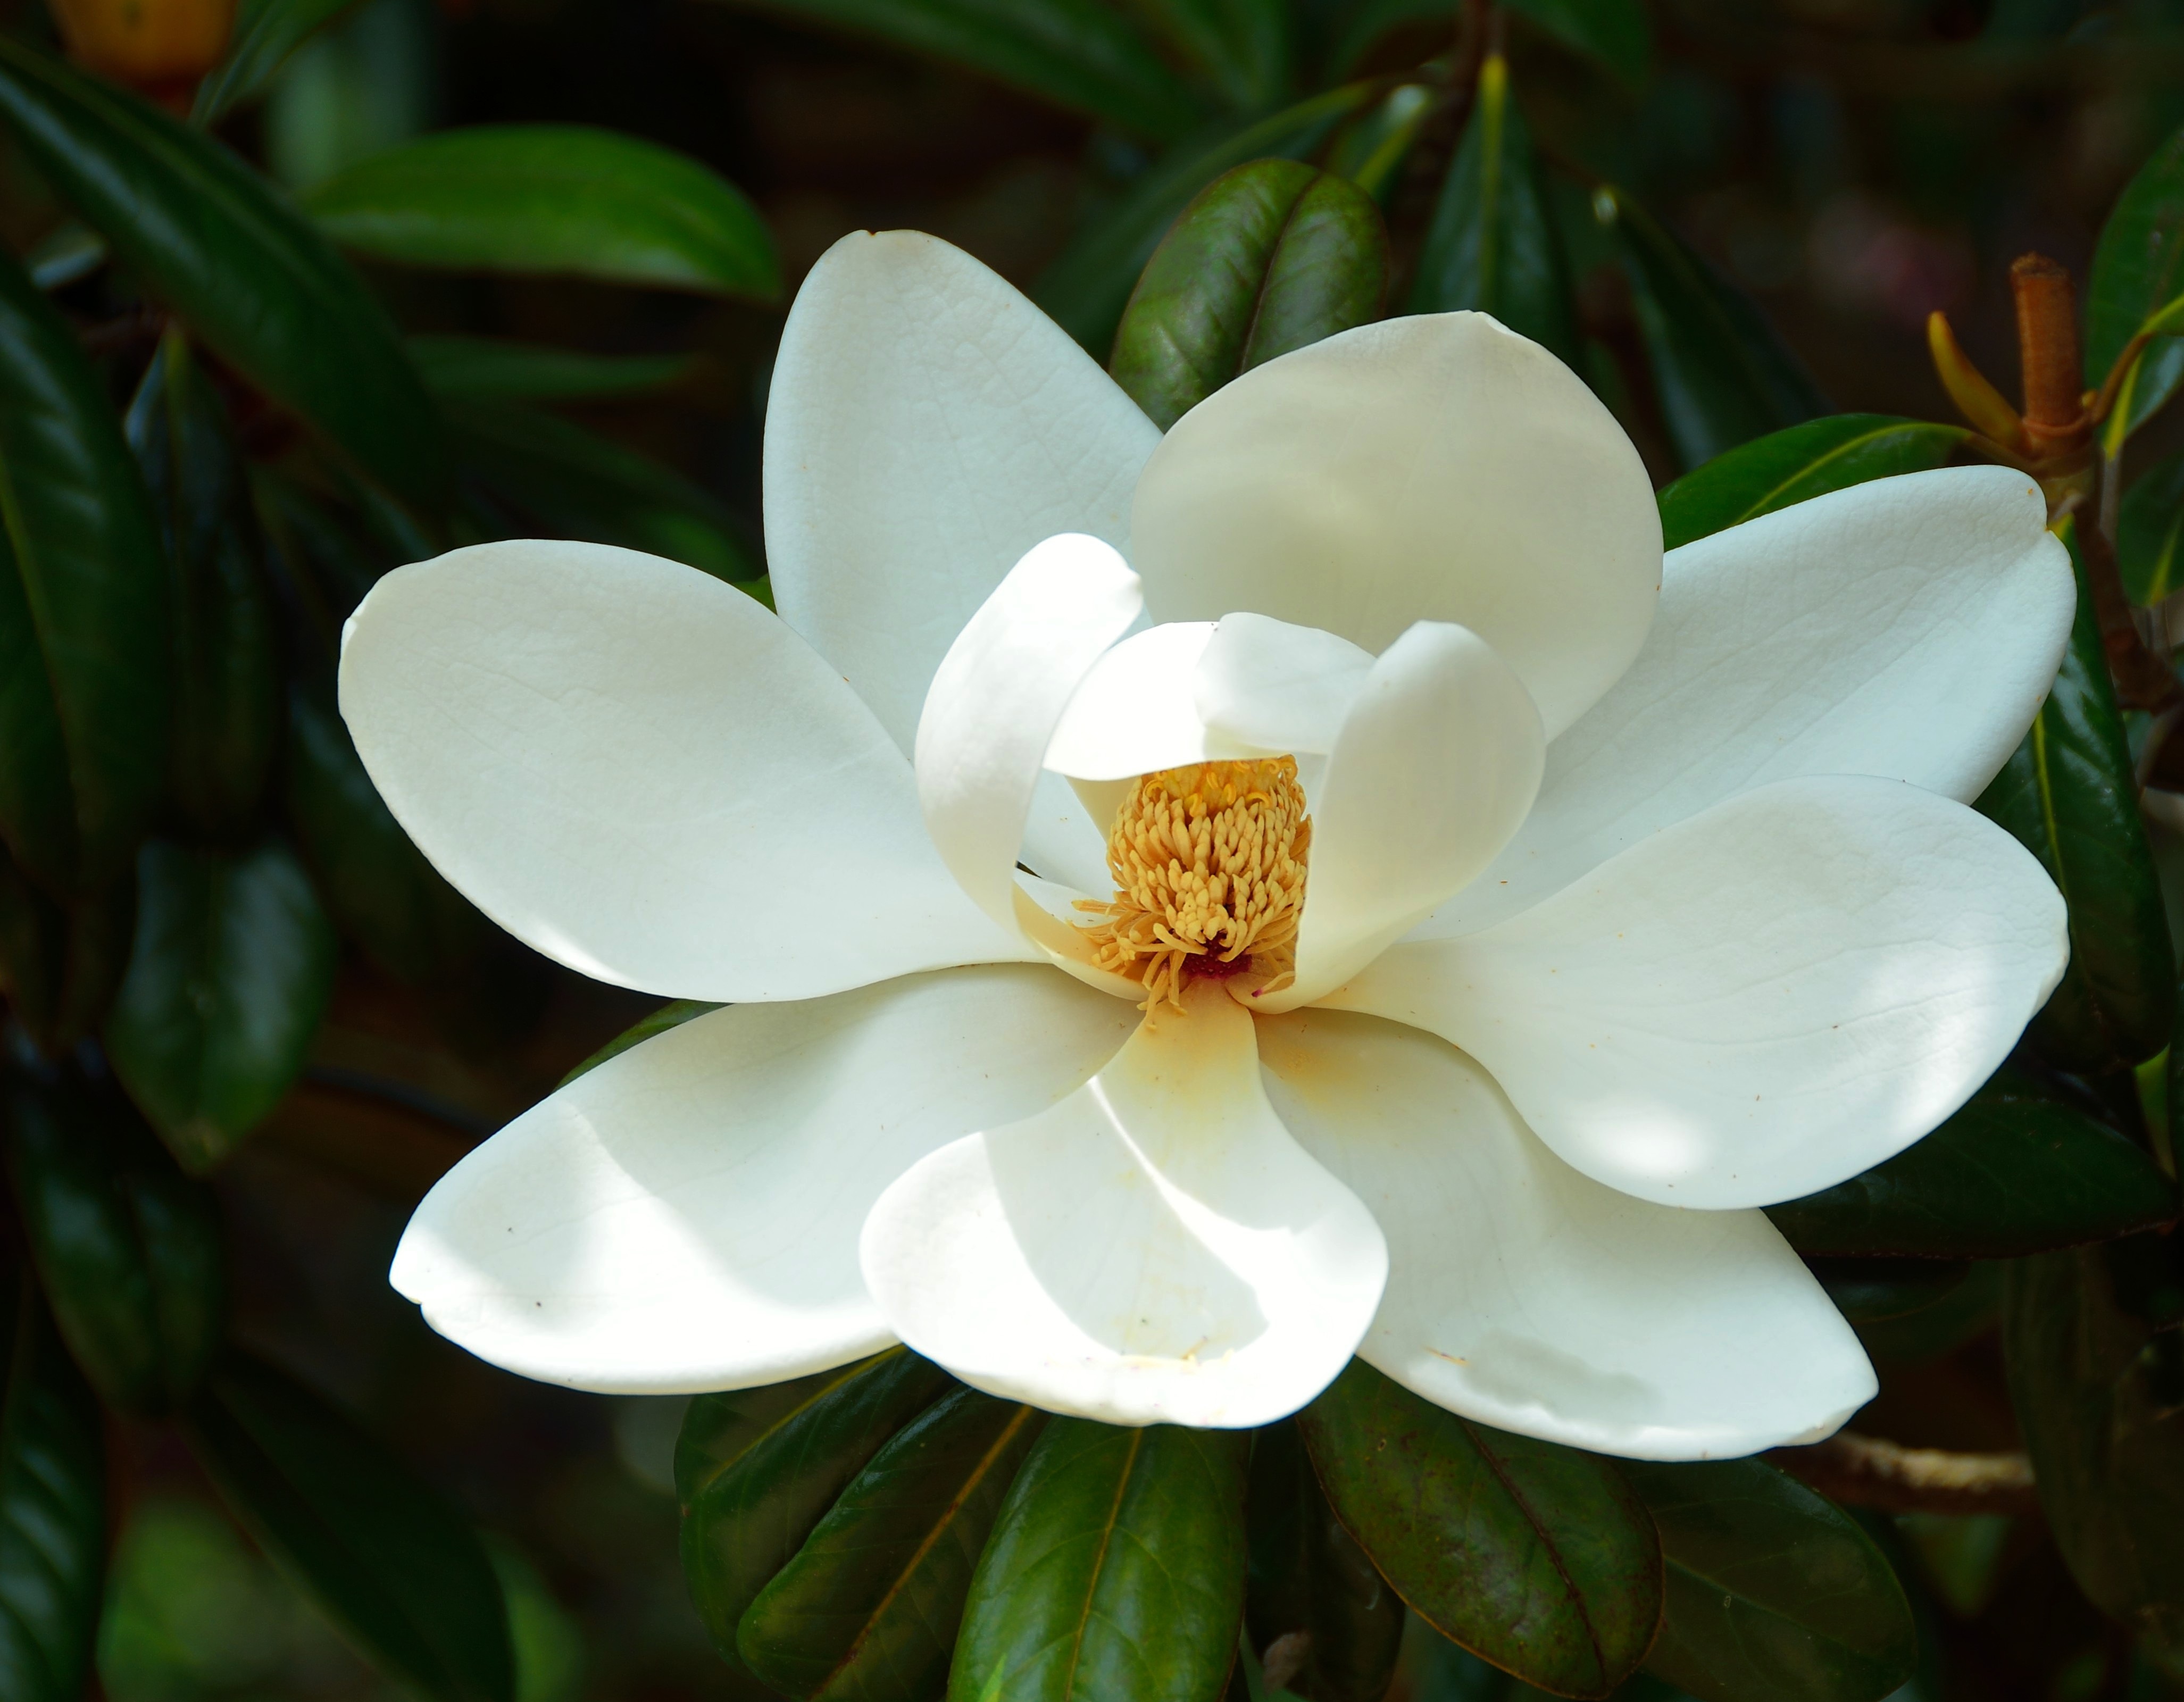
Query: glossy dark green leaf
(1773, 1591)
(1871, 1291)
(1491, 244)
(52, 1508)
(2150, 532)
(573, 483)
(1077, 53)
(486, 369)
(224, 715)
(2095, 1363)
(1722, 372)
(1798, 463)
(1268, 258)
(561, 198)
(2069, 794)
(61, 962)
(233, 965)
(242, 266)
(867, 1608)
(83, 663)
(757, 1470)
(672, 1015)
(127, 1248)
(1117, 1572)
(1311, 1583)
(1241, 50)
(1089, 283)
(1536, 1556)
(267, 34)
(1966, 1306)
(1372, 149)
(2017, 1171)
(2138, 268)
(377, 886)
(397, 1569)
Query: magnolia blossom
(1191, 909)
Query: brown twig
(2143, 680)
(1869, 1471)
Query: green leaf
(52, 1508)
(1078, 54)
(2017, 1171)
(1268, 258)
(1086, 288)
(757, 1470)
(1308, 1576)
(1873, 1291)
(2149, 529)
(1799, 463)
(1491, 244)
(127, 1248)
(242, 267)
(1240, 49)
(486, 369)
(1617, 34)
(574, 483)
(224, 718)
(1538, 1557)
(83, 662)
(381, 892)
(400, 1572)
(1772, 1591)
(2096, 1364)
(1372, 150)
(868, 1607)
(1723, 374)
(1116, 1573)
(60, 963)
(560, 199)
(672, 1015)
(2138, 268)
(267, 33)
(233, 967)
(2069, 794)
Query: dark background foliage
(1851, 164)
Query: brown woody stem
(1868, 1471)
(2055, 412)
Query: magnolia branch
(1869, 1471)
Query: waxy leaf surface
(396, 1569)
(2138, 268)
(1538, 1557)
(1270, 256)
(2149, 529)
(1116, 1573)
(1800, 462)
(1773, 1591)
(267, 34)
(221, 246)
(867, 1608)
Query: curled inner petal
(1208, 861)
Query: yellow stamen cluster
(1208, 862)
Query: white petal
(1155, 1249)
(1435, 467)
(1436, 763)
(1267, 684)
(1134, 712)
(1000, 692)
(925, 427)
(1528, 1297)
(685, 1216)
(1755, 1003)
(1908, 628)
(640, 772)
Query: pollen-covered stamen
(1208, 862)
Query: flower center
(1208, 862)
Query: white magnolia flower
(1636, 894)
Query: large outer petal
(640, 772)
(926, 426)
(685, 1216)
(1528, 1296)
(1429, 468)
(1436, 763)
(1755, 1003)
(1155, 1249)
(1908, 628)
